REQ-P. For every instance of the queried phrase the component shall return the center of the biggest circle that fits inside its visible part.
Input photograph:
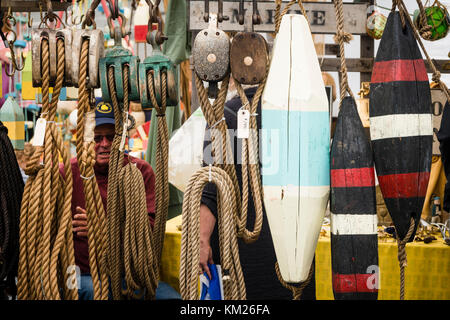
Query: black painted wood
(352, 255)
(398, 156)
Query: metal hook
(220, 16)
(30, 20)
(73, 19)
(10, 22)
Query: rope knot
(436, 76)
(425, 32)
(342, 36)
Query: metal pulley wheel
(52, 36)
(117, 57)
(211, 55)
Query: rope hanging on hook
(85, 147)
(46, 257)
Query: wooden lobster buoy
(295, 148)
(354, 240)
(401, 124)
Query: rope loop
(297, 291)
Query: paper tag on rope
(124, 133)
(39, 132)
(89, 126)
(243, 121)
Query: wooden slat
(320, 14)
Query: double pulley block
(157, 64)
(72, 46)
(117, 57)
(214, 56)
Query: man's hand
(205, 257)
(79, 222)
(207, 222)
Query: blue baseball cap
(104, 112)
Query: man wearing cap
(104, 133)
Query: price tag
(243, 122)
(124, 133)
(39, 132)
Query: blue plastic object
(20, 44)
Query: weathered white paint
(400, 126)
(296, 199)
(353, 224)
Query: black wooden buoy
(354, 242)
(401, 124)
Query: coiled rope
(233, 279)
(95, 212)
(46, 244)
(116, 217)
(128, 218)
(10, 199)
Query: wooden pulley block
(51, 36)
(211, 53)
(96, 52)
(248, 57)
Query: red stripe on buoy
(404, 185)
(346, 283)
(399, 70)
(355, 177)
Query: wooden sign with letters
(321, 16)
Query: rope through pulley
(85, 147)
(138, 257)
(46, 259)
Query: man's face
(104, 135)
